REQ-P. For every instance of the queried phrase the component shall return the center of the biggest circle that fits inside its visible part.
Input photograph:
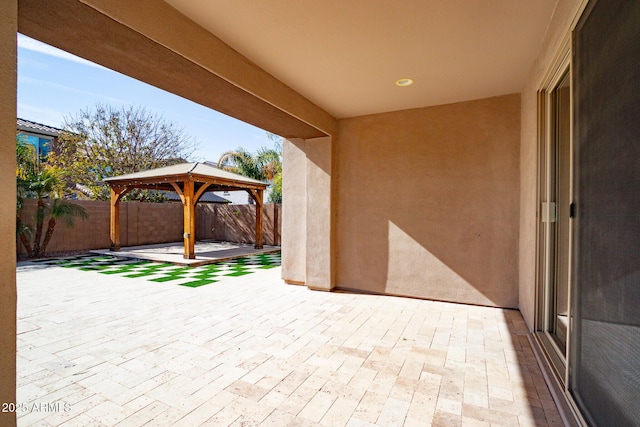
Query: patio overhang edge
(142, 48)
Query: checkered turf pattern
(164, 272)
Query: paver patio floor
(96, 349)
(207, 252)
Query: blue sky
(53, 84)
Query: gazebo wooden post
(114, 224)
(189, 220)
(258, 196)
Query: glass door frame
(556, 365)
(546, 213)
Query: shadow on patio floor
(250, 350)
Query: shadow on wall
(428, 202)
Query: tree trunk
(23, 238)
(48, 234)
(39, 223)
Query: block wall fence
(150, 223)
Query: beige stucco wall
(8, 67)
(428, 202)
(294, 210)
(308, 213)
(320, 249)
(566, 12)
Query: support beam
(200, 192)
(189, 221)
(178, 190)
(189, 61)
(114, 225)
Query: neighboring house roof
(206, 198)
(237, 197)
(37, 128)
(171, 196)
(207, 172)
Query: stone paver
(100, 349)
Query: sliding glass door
(588, 284)
(604, 367)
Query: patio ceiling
(345, 56)
(292, 68)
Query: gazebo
(190, 181)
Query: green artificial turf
(192, 277)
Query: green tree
(275, 196)
(276, 189)
(107, 141)
(65, 211)
(40, 181)
(264, 165)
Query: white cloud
(23, 80)
(39, 114)
(25, 42)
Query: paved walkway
(97, 349)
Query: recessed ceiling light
(404, 82)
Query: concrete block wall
(149, 223)
(236, 223)
(92, 233)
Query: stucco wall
(320, 249)
(8, 67)
(428, 202)
(566, 12)
(294, 210)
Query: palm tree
(62, 209)
(264, 165)
(41, 182)
(270, 162)
(26, 166)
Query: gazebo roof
(161, 178)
